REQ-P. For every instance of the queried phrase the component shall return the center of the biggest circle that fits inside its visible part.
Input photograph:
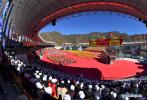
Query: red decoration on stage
(107, 42)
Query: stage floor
(90, 68)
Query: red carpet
(90, 68)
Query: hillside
(59, 38)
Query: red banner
(102, 42)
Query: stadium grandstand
(102, 69)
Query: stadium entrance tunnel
(44, 12)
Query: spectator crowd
(45, 83)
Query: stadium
(94, 66)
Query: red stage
(92, 69)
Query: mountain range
(60, 38)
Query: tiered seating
(52, 84)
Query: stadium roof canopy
(29, 16)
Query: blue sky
(97, 23)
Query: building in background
(141, 37)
